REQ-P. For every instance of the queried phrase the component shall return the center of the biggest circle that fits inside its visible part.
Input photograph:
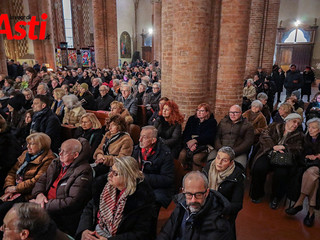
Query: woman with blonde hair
(22, 177)
(90, 129)
(124, 209)
(57, 106)
(117, 108)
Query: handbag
(284, 159)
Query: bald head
(70, 150)
(195, 176)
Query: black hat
(17, 101)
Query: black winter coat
(47, 122)
(103, 103)
(278, 79)
(10, 150)
(87, 101)
(139, 214)
(232, 188)
(293, 80)
(158, 171)
(308, 79)
(207, 224)
(170, 134)
(206, 131)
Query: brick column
(235, 16)
(270, 34)
(105, 33)
(255, 36)
(157, 30)
(3, 62)
(44, 50)
(185, 80)
(166, 51)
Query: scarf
(216, 178)
(111, 140)
(36, 119)
(29, 158)
(111, 209)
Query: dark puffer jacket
(158, 171)
(241, 133)
(206, 130)
(207, 224)
(73, 190)
(170, 134)
(138, 214)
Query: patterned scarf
(216, 178)
(111, 140)
(111, 209)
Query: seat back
(101, 115)
(134, 131)
(142, 117)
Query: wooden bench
(101, 115)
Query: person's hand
(41, 200)
(91, 235)
(11, 189)
(279, 148)
(6, 196)
(311, 157)
(191, 142)
(100, 158)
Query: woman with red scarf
(124, 210)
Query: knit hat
(297, 94)
(17, 101)
(292, 116)
(84, 86)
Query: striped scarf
(111, 209)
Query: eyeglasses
(197, 195)
(234, 112)
(31, 144)
(113, 173)
(201, 111)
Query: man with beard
(198, 214)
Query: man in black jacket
(44, 120)
(104, 100)
(156, 163)
(293, 80)
(198, 214)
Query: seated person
(310, 178)
(279, 137)
(236, 132)
(129, 102)
(169, 127)
(73, 110)
(313, 109)
(295, 106)
(44, 120)
(115, 143)
(10, 150)
(263, 98)
(196, 207)
(284, 110)
(90, 128)
(30, 221)
(156, 163)
(155, 114)
(65, 188)
(58, 106)
(86, 98)
(198, 137)
(249, 94)
(256, 118)
(118, 109)
(226, 177)
(104, 100)
(16, 110)
(141, 94)
(122, 208)
(153, 98)
(22, 177)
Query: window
(68, 22)
(296, 35)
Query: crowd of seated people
(128, 183)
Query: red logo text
(4, 20)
